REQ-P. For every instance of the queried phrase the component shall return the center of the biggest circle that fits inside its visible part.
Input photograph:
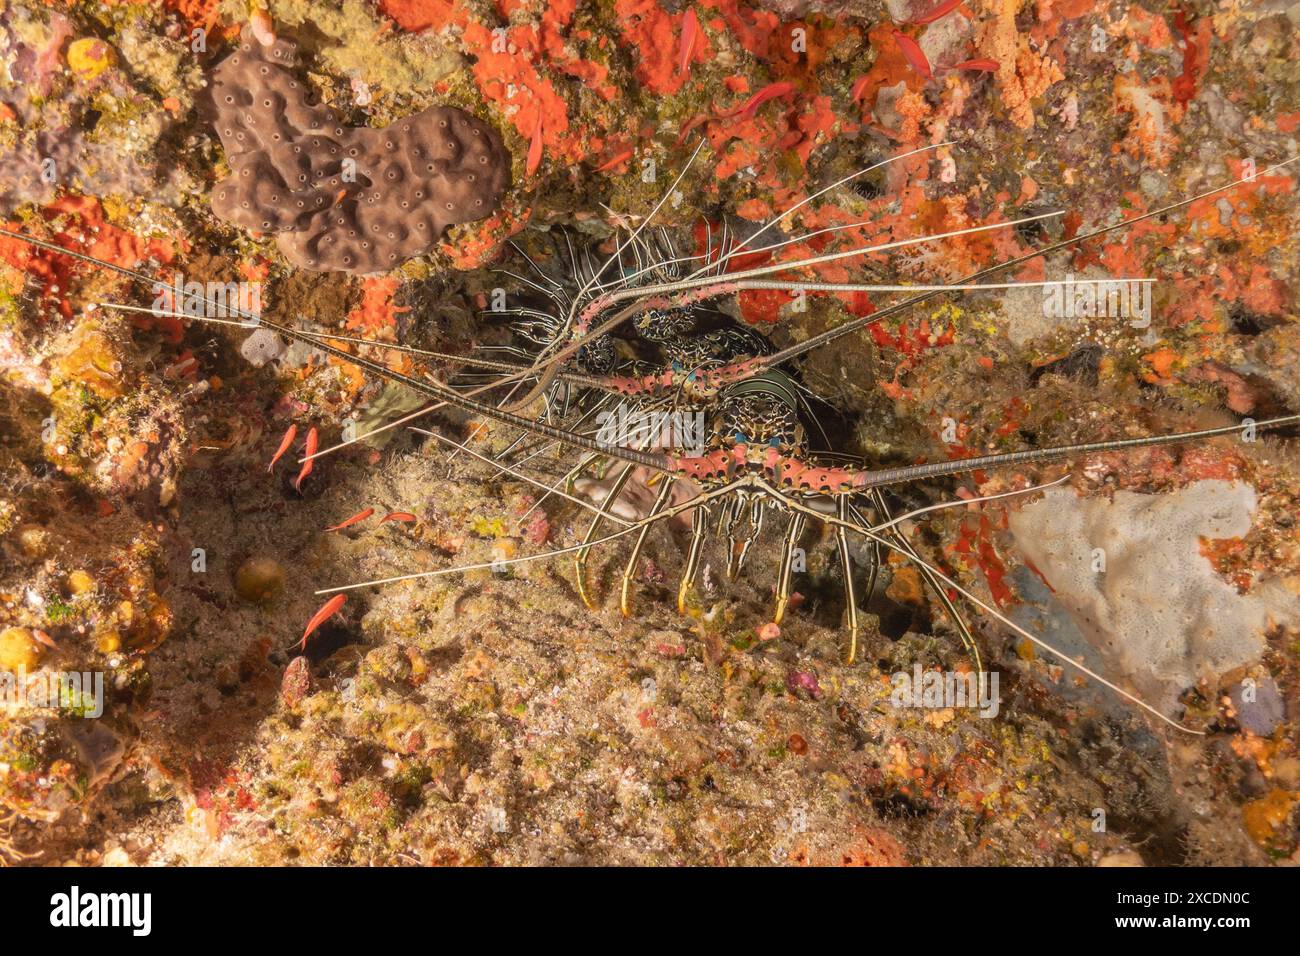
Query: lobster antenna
(831, 335)
(939, 469)
(541, 360)
(492, 364)
(756, 272)
(806, 200)
(426, 387)
(573, 309)
(793, 351)
(443, 393)
(963, 502)
(707, 287)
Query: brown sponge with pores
(340, 198)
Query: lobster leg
(699, 527)
(576, 471)
(738, 548)
(580, 561)
(873, 559)
(756, 512)
(793, 530)
(850, 591)
(625, 597)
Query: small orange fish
(986, 66)
(859, 88)
(770, 92)
(327, 611)
(689, 125)
(620, 158)
(535, 148)
(260, 25)
(309, 450)
(912, 53)
(398, 516)
(355, 519)
(285, 443)
(942, 10)
(690, 28)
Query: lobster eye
(774, 441)
(742, 438)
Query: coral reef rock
(351, 199)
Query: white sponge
(1159, 613)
